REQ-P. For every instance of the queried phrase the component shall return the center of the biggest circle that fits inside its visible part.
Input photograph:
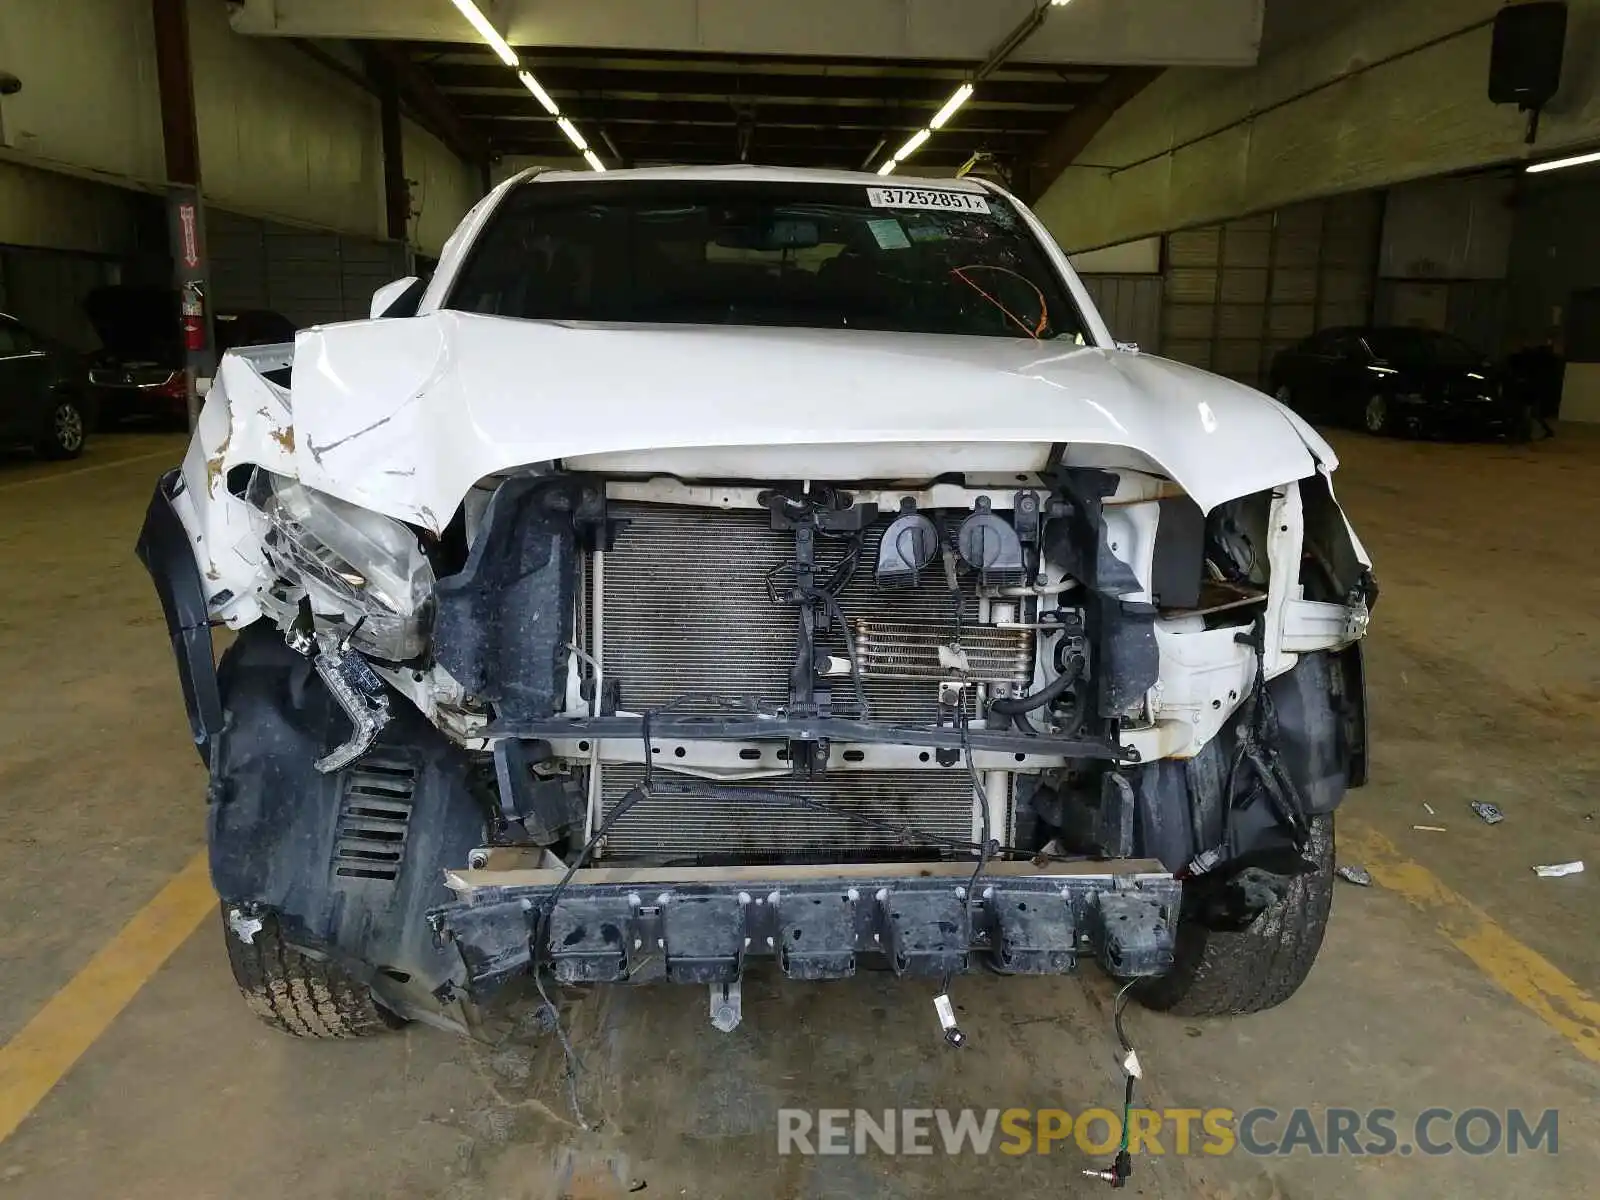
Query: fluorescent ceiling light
(962, 94)
(888, 167)
(571, 130)
(912, 143)
(487, 32)
(1059, 3)
(594, 162)
(539, 94)
(1556, 164)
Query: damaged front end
(622, 725)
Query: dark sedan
(41, 392)
(1398, 380)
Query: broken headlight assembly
(365, 574)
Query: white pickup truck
(716, 565)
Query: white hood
(403, 416)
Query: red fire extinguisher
(193, 313)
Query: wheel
(64, 436)
(1220, 974)
(1376, 415)
(303, 996)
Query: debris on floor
(1429, 808)
(1431, 828)
(1359, 876)
(1556, 870)
(1490, 814)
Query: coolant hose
(1014, 705)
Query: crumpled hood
(404, 415)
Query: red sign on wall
(191, 237)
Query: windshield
(1422, 347)
(822, 256)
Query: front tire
(1375, 416)
(299, 995)
(1216, 974)
(67, 430)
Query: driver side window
(1353, 349)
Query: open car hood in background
(137, 323)
(140, 323)
(404, 415)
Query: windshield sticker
(888, 234)
(936, 199)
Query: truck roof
(756, 174)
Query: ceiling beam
(632, 139)
(423, 95)
(836, 160)
(674, 111)
(1056, 151)
(579, 81)
(952, 68)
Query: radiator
(684, 607)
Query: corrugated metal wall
(310, 277)
(1130, 305)
(1475, 310)
(1237, 293)
(44, 290)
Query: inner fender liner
(1178, 804)
(349, 862)
(504, 622)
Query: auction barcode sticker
(929, 198)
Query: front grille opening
(671, 827)
(374, 819)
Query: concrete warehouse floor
(1460, 980)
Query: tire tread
(1233, 973)
(300, 995)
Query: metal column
(185, 212)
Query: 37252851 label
(935, 199)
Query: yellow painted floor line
(1524, 974)
(36, 1059)
(174, 456)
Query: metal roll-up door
(45, 290)
(1189, 294)
(311, 277)
(1292, 298)
(1239, 292)
(1242, 297)
(1130, 306)
(1350, 228)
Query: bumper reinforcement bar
(643, 926)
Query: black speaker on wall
(1525, 57)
